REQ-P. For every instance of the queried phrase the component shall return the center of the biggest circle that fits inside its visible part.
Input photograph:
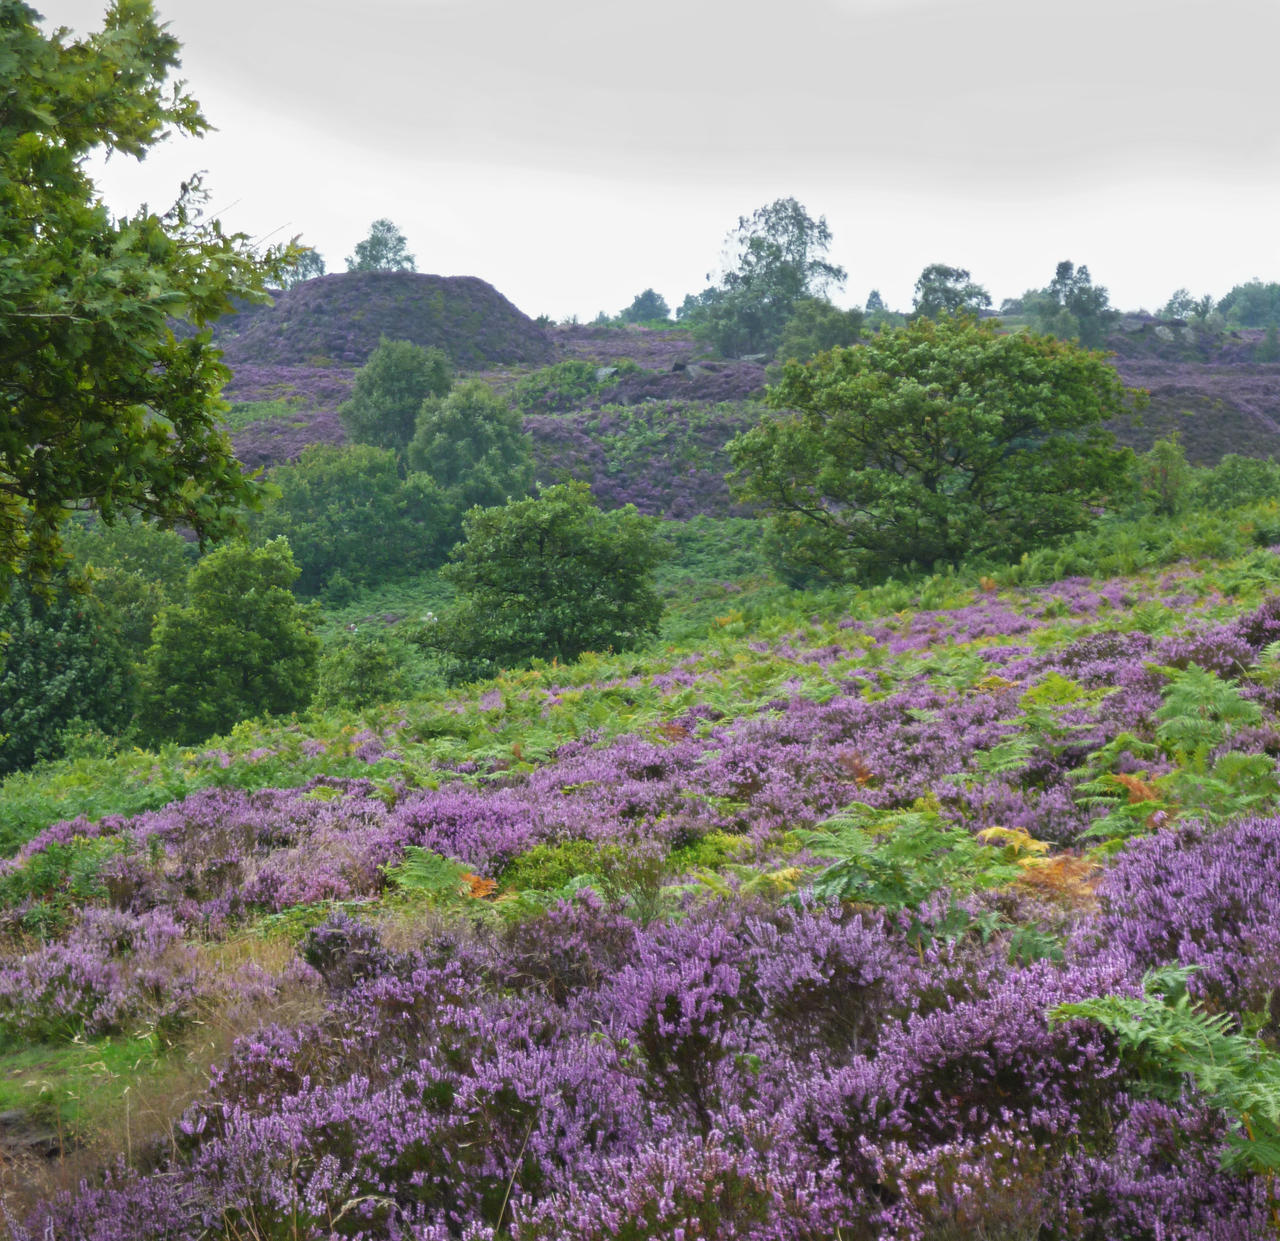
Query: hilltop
(338, 320)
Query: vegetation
(384, 249)
(99, 401)
(932, 443)
(948, 290)
(549, 578)
(389, 390)
(613, 882)
(774, 258)
(472, 447)
(352, 519)
(242, 646)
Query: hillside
(338, 320)
(755, 937)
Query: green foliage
(384, 249)
(306, 266)
(346, 509)
(948, 290)
(897, 859)
(242, 646)
(1166, 1041)
(550, 578)
(1071, 306)
(134, 569)
(565, 385)
(931, 443)
(1165, 476)
(428, 876)
(360, 670)
(775, 257)
(1181, 305)
(1235, 481)
(1199, 715)
(815, 326)
(472, 446)
(61, 661)
(647, 307)
(1252, 304)
(546, 868)
(389, 390)
(241, 414)
(100, 403)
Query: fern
(429, 876)
(897, 859)
(1166, 1040)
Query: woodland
(771, 770)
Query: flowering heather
(571, 978)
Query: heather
(753, 935)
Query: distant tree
(647, 307)
(100, 404)
(875, 302)
(351, 517)
(816, 326)
(389, 390)
(1269, 349)
(1165, 476)
(308, 266)
(1182, 305)
(774, 257)
(472, 445)
(385, 249)
(550, 578)
(242, 647)
(930, 443)
(948, 290)
(1071, 306)
(61, 662)
(1252, 304)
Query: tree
(360, 670)
(61, 662)
(1181, 305)
(473, 447)
(350, 516)
(242, 647)
(1252, 304)
(134, 569)
(309, 265)
(816, 326)
(774, 257)
(948, 290)
(646, 308)
(1071, 306)
(875, 302)
(389, 390)
(100, 403)
(930, 443)
(383, 250)
(1164, 476)
(549, 578)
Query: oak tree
(101, 403)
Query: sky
(573, 153)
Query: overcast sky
(575, 152)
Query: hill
(1214, 388)
(338, 320)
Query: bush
(550, 578)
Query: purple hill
(338, 320)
